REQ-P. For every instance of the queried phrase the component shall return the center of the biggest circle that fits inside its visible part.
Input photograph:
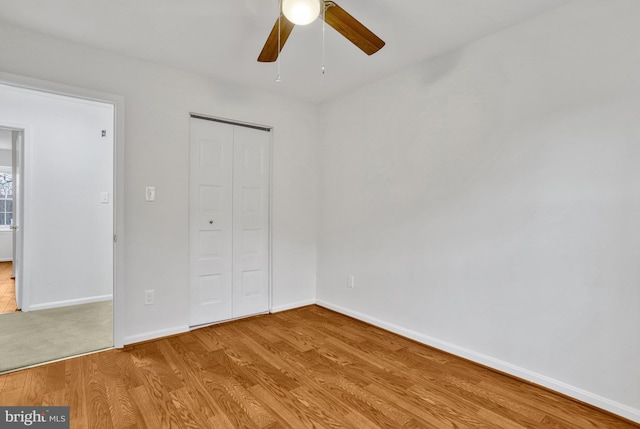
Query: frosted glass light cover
(301, 12)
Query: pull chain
(324, 23)
(278, 79)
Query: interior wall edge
(590, 398)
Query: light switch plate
(149, 297)
(150, 193)
(351, 281)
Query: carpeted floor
(45, 335)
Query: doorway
(10, 218)
(64, 228)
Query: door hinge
(115, 238)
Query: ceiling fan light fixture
(332, 14)
(301, 12)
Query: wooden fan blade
(270, 50)
(352, 29)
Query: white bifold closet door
(229, 221)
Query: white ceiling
(222, 39)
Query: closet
(228, 220)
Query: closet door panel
(210, 223)
(250, 222)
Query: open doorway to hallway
(63, 257)
(10, 213)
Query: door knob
(210, 221)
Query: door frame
(117, 101)
(267, 128)
(17, 171)
(22, 297)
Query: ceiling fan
(302, 12)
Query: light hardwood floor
(308, 367)
(7, 289)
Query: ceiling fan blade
(270, 50)
(352, 29)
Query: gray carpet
(45, 335)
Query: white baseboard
(154, 335)
(69, 302)
(622, 410)
(6, 259)
(145, 336)
(292, 305)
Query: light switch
(104, 197)
(151, 193)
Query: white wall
(67, 165)
(6, 246)
(488, 202)
(5, 154)
(5, 141)
(158, 101)
(485, 201)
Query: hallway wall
(68, 231)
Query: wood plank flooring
(304, 368)
(7, 289)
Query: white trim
(6, 260)
(219, 322)
(154, 335)
(292, 305)
(68, 302)
(119, 221)
(270, 215)
(118, 103)
(625, 411)
(22, 276)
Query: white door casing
(117, 133)
(229, 221)
(17, 151)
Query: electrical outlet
(351, 281)
(149, 297)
